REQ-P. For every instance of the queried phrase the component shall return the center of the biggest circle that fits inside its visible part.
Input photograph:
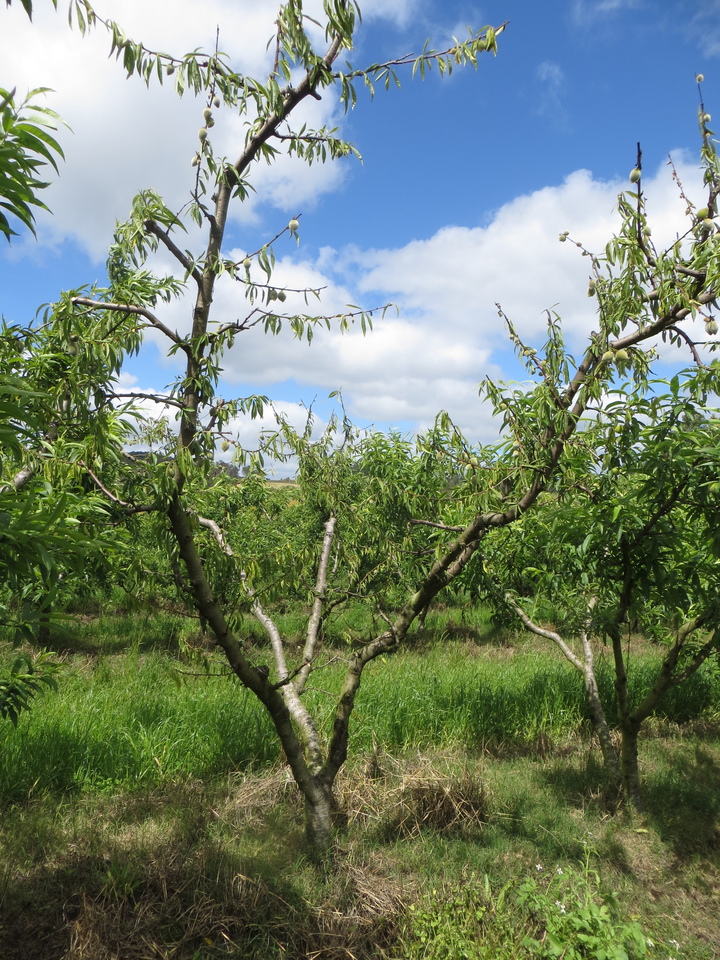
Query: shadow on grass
(682, 798)
(187, 875)
(680, 783)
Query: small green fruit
(195, 160)
(224, 446)
(170, 69)
(563, 236)
(247, 263)
(703, 213)
(272, 294)
(293, 226)
(282, 296)
(622, 355)
(202, 133)
(711, 327)
(699, 77)
(647, 232)
(207, 113)
(707, 117)
(591, 289)
(607, 356)
(71, 349)
(216, 102)
(635, 175)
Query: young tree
(96, 326)
(44, 529)
(643, 294)
(627, 540)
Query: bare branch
(543, 632)
(181, 257)
(690, 343)
(155, 397)
(133, 310)
(433, 523)
(128, 508)
(316, 614)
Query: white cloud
(127, 137)
(704, 26)
(587, 11)
(448, 335)
(551, 81)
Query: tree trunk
(629, 762)
(318, 819)
(600, 724)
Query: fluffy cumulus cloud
(447, 336)
(126, 136)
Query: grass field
(146, 812)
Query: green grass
(145, 810)
(145, 716)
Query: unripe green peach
(207, 113)
(635, 175)
(699, 77)
(711, 327)
(703, 213)
(622, 355)
(216, 102)
(170, 69)
(293, 226)
(591, 289)
(224, 446)
(607, 356)
(195, 160)
(202, 133)
(247, 262)
(282, 296)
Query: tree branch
(132, 310)
(316, 614)
(182, 258)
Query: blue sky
(465, 183)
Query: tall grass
(129, 720)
